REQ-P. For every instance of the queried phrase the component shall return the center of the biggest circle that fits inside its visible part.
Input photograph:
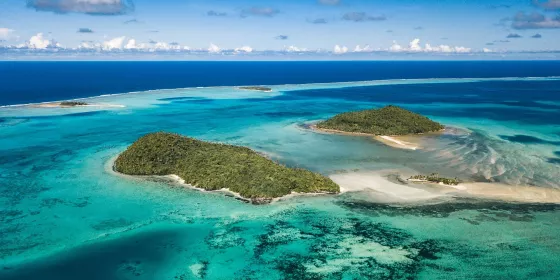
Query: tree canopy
(213, 166)
(389, 120)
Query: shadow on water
(139, 256)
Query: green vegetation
(214, 166)
(257, 88)
(435, 178)
(389, 120)
(72, 103)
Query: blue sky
(244, 26)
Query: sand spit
(378, 188)
(392, 141)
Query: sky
(94, 28)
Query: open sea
(65, 215)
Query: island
(72, 103)
(215, 166)
(434, 178)
(385, 124)
(389, 120)
(257, 88)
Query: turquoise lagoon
(66, 215)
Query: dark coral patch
(526, 139)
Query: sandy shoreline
(375, 186)
(387, 191)
(392, 141)
(179, 181)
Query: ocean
(66, 215)
(31, 82)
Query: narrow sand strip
(396, 143)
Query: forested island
(257, 88)
(389, 120)
(215, 166)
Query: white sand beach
(379, 188)
(392, 141)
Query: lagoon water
(65, 215)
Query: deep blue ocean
(66, 215)
(31, 82)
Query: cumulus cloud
(91, 7)
(131, 44)
(537, 36)
(294, 49)
(340, 49)
(414, 46)
(534, 21)
(85, 30)
(5, 32)
(281, 37)
(329, 2)
(214, 49)
(486, 50)
(547, 4)
(213, 13)
(244, 49)
(361, 17)
(115, 43)
(365, 48)
(39, 42)
(513, 36)
(260, 11)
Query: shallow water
(65, 215)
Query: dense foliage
(435, 178)
(389, 120)
(213, 166)
(72, 103)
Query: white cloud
(40, 42)
(486, 50)
(214, 49)
(5, 33)
(115, 43)
(294, 49)
(365, 48)
(246, 49)
(340, 50)
(395, 47)
(414, 46)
